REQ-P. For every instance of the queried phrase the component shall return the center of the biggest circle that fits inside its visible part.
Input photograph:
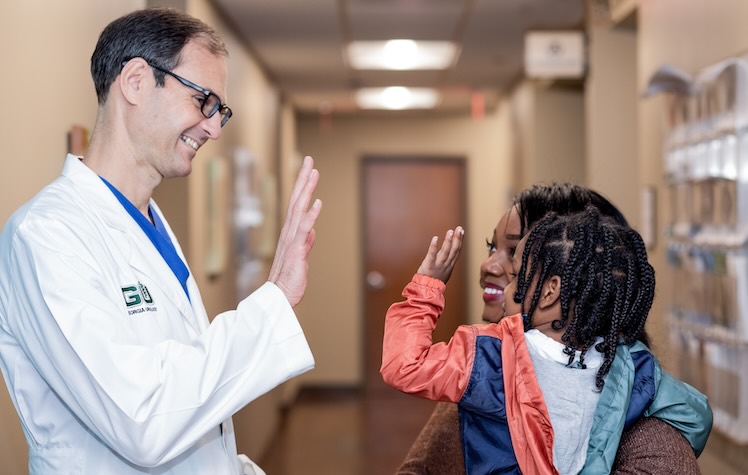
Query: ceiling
(300, 44)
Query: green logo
(132, 296)
(136, 294)
(144, 292)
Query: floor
(346, 432)
(351, 432)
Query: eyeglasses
(211, 103)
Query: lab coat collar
(142, 254)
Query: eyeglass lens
(212, 105)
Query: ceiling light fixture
(401, 54)
(397, 98)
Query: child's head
(604, 284)
(562, 198)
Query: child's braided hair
(607, 283)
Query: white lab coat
(110, 366)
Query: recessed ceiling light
(401, 54)
(397, 98)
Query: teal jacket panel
(661, 396)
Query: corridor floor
(347, 432)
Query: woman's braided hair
(607, 283)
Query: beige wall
(548, 127)
(332, 310)
(611, 107)
(689, 34)
(559, 139)
(47, 87)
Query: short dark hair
(607, 282)
(561, 198)
(156, 34)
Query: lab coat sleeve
(149, 403)
(411, 362)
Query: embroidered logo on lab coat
(138, 299)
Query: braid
(524, 278)
(541, 263)
(607, 283)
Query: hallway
(346, 432)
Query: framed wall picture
(216, 209)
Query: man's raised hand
(290, 265)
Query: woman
(438, 448)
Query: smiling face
(495, 270)
(172, 127)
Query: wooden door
(406, 201)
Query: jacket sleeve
(148, 401)
(684, 408)
(652, 445)
(438, 448)
(411, 362)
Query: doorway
(406, 201)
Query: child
(550, 388)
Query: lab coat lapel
(146, 259)
(142, 255)
(196, 310)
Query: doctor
(105, 344)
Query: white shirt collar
(550, 349)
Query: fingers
(306, 225)
(300, 207)
(440, 261)
(427, 265)
(305, 195)
(456, 245)
(306, 168)
(306, 182)
(446, 245)
(432, 251)
(451, 246)
(299, 221)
